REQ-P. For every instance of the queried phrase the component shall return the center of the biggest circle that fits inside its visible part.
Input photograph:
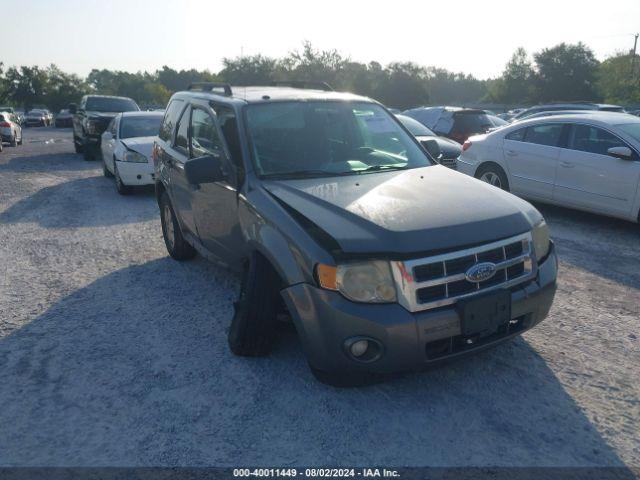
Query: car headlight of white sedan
(135, 157)
(541, 242)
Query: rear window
(170, 119)
(469, 123)
(147, 126)
(415, 127)
(106, 104)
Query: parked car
(36, 118)
(91, 118)
(452, 122)
(64, 119)
(335, 214)
(126, 149)
(586, 161)
(553, 113)
(442, 149)
(567, 106)
(10, 129)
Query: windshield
(415, 127)
(632, 129)
(105, 104)
(328, 138)
(140, 126)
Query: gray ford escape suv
(336, 215)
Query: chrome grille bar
(409, 285)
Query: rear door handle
(567, 164)
(512, 153)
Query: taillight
(5, 124)
(466, 145)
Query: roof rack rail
(306, 84)
(209, 86)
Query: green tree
(518, 81)
(566, 72)
(618, 79)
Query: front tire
(253, 327)
(176, 245)
(120, 186)
(105, 170)
(87, 153)
(493, 174)
(13, 142)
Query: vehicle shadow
(605, 246)
(134, 369)
(107, 207)
(55, 161)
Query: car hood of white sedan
(141, 145)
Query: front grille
(451, 163)
(441, 280)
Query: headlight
(540, 235)
(370, 282)
(130, 156)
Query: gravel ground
(113, 354)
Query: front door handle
(567, 164)
(512, 153)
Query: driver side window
(204, 135)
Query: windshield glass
(632, 129)
(415, 127)
(140, 126)
(328, 138)
(104, 104)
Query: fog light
(359, 348)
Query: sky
(470, 36)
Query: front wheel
(253, 327)
(120, 186)
(493, 174)
(13, 142)
(176, 245)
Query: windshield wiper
(304, 173)
(377, 168)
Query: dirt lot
(113, 354)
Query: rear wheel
(253, 326)
(177, 246)
(13, 142)
(493, 174)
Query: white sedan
(588, 161)
(126, 149)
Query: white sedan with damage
(126, 149)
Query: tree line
(565, 72)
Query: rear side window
(547, 134)
(469, 123)
(170, 119)
(593, 140)
(517, 135)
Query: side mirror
(207, 169)
(73, 108)
(623, 153)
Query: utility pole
(633, 54)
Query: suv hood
(415, 211)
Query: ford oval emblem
(481, 272)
